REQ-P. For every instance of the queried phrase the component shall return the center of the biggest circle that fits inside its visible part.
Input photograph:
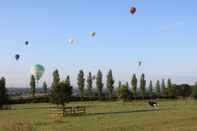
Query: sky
(162, 34)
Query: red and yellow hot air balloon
(132, 10)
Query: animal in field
(153, 104)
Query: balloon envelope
(71, 41)
(93, 34)
(17, 56)
(37, 71)
(139, 63)
(132, 10)
(26, 43)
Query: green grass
(106, 116)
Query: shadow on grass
(126, 112)
(30, 108)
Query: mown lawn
(106, 116)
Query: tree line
(125, 91)
(62, 90)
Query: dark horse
(153, 103)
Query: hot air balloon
(132, 10)
(26, 42)
(139, 63)
(71, 40)
(93, 34)
(37, 71)
(17, 56)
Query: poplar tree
(81, 83)
(142, 85)
(89, 84)
(163, 88)
(68, 89)
(33, 85)
(158, 88)
(99, 84)
(151, 89)
(3, 92)
(171, 89)
(44, 86)
(134, 85)
(54, 87)
(110, 83)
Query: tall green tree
(60, 95)
(171, 89)
(3, 92)
(134, 85)
(169, 86)
(61, 90)
(183, 90)
(89, 84)
(81, 83)
(99, 84)
(158, 88)
(151, 89)
(127, 84)
(194, 91)
(123, 92)
(54, 87)
(119, 84)
(110, 83)
(44, 86)
(33, 85)
(163, 88)
(68, 89)
(142, 85)
(68, 80)
(56, 78)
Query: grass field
(106, 116)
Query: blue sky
(162, 34)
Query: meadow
(174, 115)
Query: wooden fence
(68, 111)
